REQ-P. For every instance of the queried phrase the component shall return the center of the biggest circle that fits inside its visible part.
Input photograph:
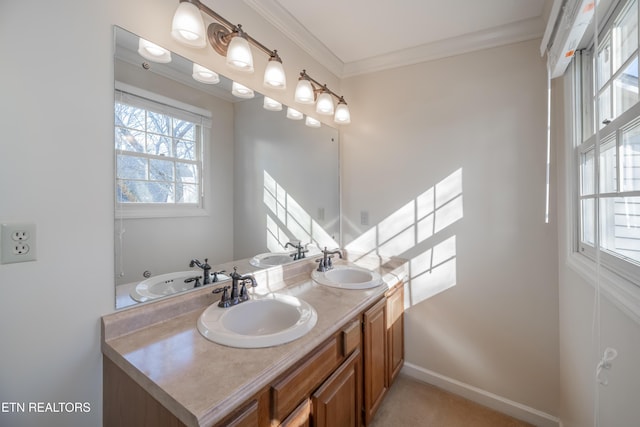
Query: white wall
(285, 172)
(617, 403)
(470, 128)
(56, 169)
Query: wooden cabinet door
(395, 332)
(375, 355)
(338, 402)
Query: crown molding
(283, 21)
(516, 32)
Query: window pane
(608, 167)
(186, 172)
(604, 63)
(604, 104)
(620, 226)
(587, 215)
(184, 130)
(587, 183)
(625, 35)
(626, 88)
(144, 192)
(131, 167)
(186, 150)
(129, 140)
(186, 193)
(158, 123)
(159, 145)
(160, 170)
(630, 152)
(130, 117)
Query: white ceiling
(359, 36)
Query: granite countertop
(200, 382)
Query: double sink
(277, 318)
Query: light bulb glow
(342, 116)
(274, 75)
(294, 114)
(153, 52)
(204, 75)
(241, 91)
(187, 26)
(304, 92)
(325, 104)
(271, 104)
(239, 55)
(312, 123)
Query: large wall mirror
(203, 174)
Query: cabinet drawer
(351, 337)
(287, 393)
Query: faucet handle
(243, 289)
(225, 301)
(321, 266)
(196, 279)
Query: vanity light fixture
(271, 104)
(205, 75)
(226, 39)
(241, 91)
(187, 25)
(342, 115)
(311, 122)
(153, 52)
(310, 91)
(239, 54)
(294, 114)
(324, 105)
(274, 75)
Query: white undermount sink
(167, 284)
(271, 259)
(348, 277)
(266, 321)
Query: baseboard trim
(482, 397)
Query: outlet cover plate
(18, 242)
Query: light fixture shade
(274, 76)
(153, 52)
(241, 91)
(304, 92)
(312, 123)
(187, 26)
(271, 104)
(239, 54)
(205, 75)
(294, 114)
(342, 116)
(325, 104)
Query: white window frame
(151, 101)
(618, 280)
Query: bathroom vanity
(160, 371)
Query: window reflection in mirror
(242, 181)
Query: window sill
(159, 212)
(622, 293)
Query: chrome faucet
(325, 263)
(206, 267)
(300, 254)
(237, 296)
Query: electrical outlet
(18, 242)
(364, 218)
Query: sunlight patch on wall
(289, 220)
(414, 225)
(433, 271)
